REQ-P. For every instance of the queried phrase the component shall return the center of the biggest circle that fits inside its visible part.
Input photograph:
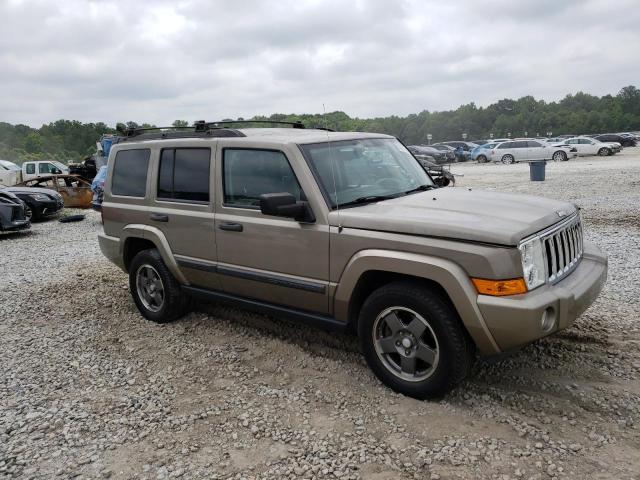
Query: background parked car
(438, 155)
(623, 140)
(12, 215)
(39, 202)
(530, 150)
(590, 146)
(441, 177)
(450, 151)
(482, 153)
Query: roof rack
(199, 127)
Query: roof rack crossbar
(201, 126)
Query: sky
(157, 61)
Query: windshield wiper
(368, 199)
(420, 188)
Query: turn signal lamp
(500, 288)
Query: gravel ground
(90, 389)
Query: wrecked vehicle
(40, 203)
(441, 176)
(12, 213)
(75, 192)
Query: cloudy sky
(155, 61)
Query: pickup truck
(12, 174)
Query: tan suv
(344, 231)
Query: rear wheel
(155, 291)
(413, 340)
(508, 159)
(603, 152)
(560, 156)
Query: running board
(312, 319)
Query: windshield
(61, 166)
(9, 165)
(355, 171)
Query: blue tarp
(100, 177)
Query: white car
(591, 146)
(530, 150)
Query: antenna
(331, 159)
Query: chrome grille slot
(563, 248)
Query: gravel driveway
(89, 389)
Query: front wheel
(413, 340)
(28, 212)
(560, 156)
(481, 159)
(603, 152)
(155, 291)
(508, 159)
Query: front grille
(563, 249)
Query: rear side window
(31, 168)
(251, 173)
(184, 174)
(130, 173)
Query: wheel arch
(370, 269)
(136, 238)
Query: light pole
(429, 137)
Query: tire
(508, 159)
(155, 291)
(603, 152)
(481, 159)
(560, 156)
(441, 356)
(29, 212)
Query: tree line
(580, 113)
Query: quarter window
(251, 173)
(184, 174)
(130, 173)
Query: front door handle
(232, 227)
(159, 217)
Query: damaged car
(12, 213)
(75, 192)
(39, 203)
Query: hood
(32, 190)
(477, 216)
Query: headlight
(39, 196)
(533, 264)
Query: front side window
(356, 171)
(184, 174)
(534, 144)
(504, 146)
(130, 173)
(249, 173)
(44, 168)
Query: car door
(537, 151)
(519, 151)
(181, 207)
(274, 259)
(587, 147)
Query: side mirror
(285, 205)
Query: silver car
(530, 150)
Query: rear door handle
(159, 217)
(232, 227)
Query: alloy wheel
(406, 344)
(150, 288)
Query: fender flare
(449, 275)
(155, 236)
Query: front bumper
(516, 320)
(47, 208)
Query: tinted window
(130, 173)
(584, 141)
(531, 144)
(502, 146)
(31, 168)
(519, 144)
(184, 174)
(251, 173)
